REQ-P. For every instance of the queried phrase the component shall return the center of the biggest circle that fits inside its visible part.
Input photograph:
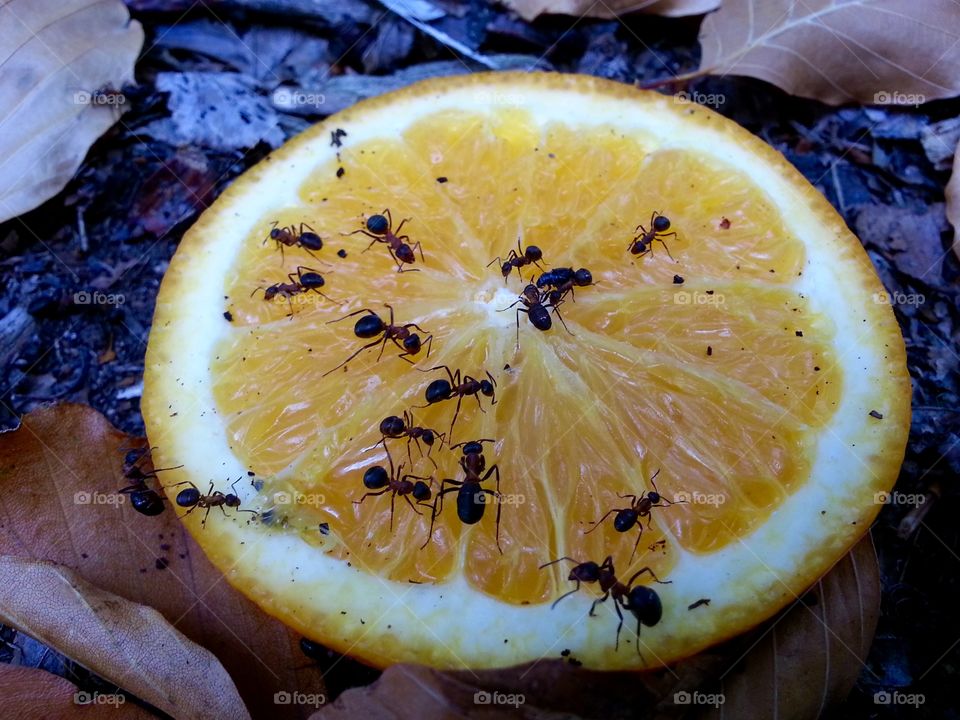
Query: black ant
(372, 326)
(290, 236)
(517, 259)
(640, 507)
(377, 478)
(397, 427)
(380, 228)
(536, 310)
(457, 387)
(564, 280)
(641, 600)
(192, 498)
(471, 500)
(643, 242)
(302, 280)
(144, 500)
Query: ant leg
(355, 312)
(496, 260)
(567, 594)
(600, 521)
(454, 379)
(414, 325)
(417, 246)
(499, 505)
(455, 413)
(492, 380)
(616, 606)
(413, 507)
(519, 310)
(633, 498)
(386, 211)
(556, 311)
(370, 494)
(435, 512)
(203, 523)
(383, 345)
(369, 345)
(643, 570)
(511, 306)
(561, 559)
(596, 602)
(402, 223)
(393, 498)
(637, 543)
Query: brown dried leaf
(55, 56)
(59, 473)
(870, 51)
(952, 193)
(131, 645)
(804, 660)
(30, 694)
(529, 9)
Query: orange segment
(727, 363)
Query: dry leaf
(130, 645)
(885, 52)
(56, 56)
(529, 9)
(952, 193)
(59, 475)
(801, 662)
(30, 694)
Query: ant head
(585, 572)
(368, 326)
(583, 277)
(533, 253)
(392, 426)
(231, 500)
(411, 343)
(405, 253)
(654, 496)
(531, 293)
(486, 387)
(271, 292)
(661, 223)
(375, 477)
(438, 390)
(377, 224)
(639, 247)
(506, 268)
(421, 491)
(188, 497)
(645, 604)
(474, 447)
(276, 233)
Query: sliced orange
(747, 363)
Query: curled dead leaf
(62, 64)
(529, 9)
(952, 193)
(59, 476)
(793, 667)
(129, 644)
(31, 694)
(886, 52)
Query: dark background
(219, 65)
